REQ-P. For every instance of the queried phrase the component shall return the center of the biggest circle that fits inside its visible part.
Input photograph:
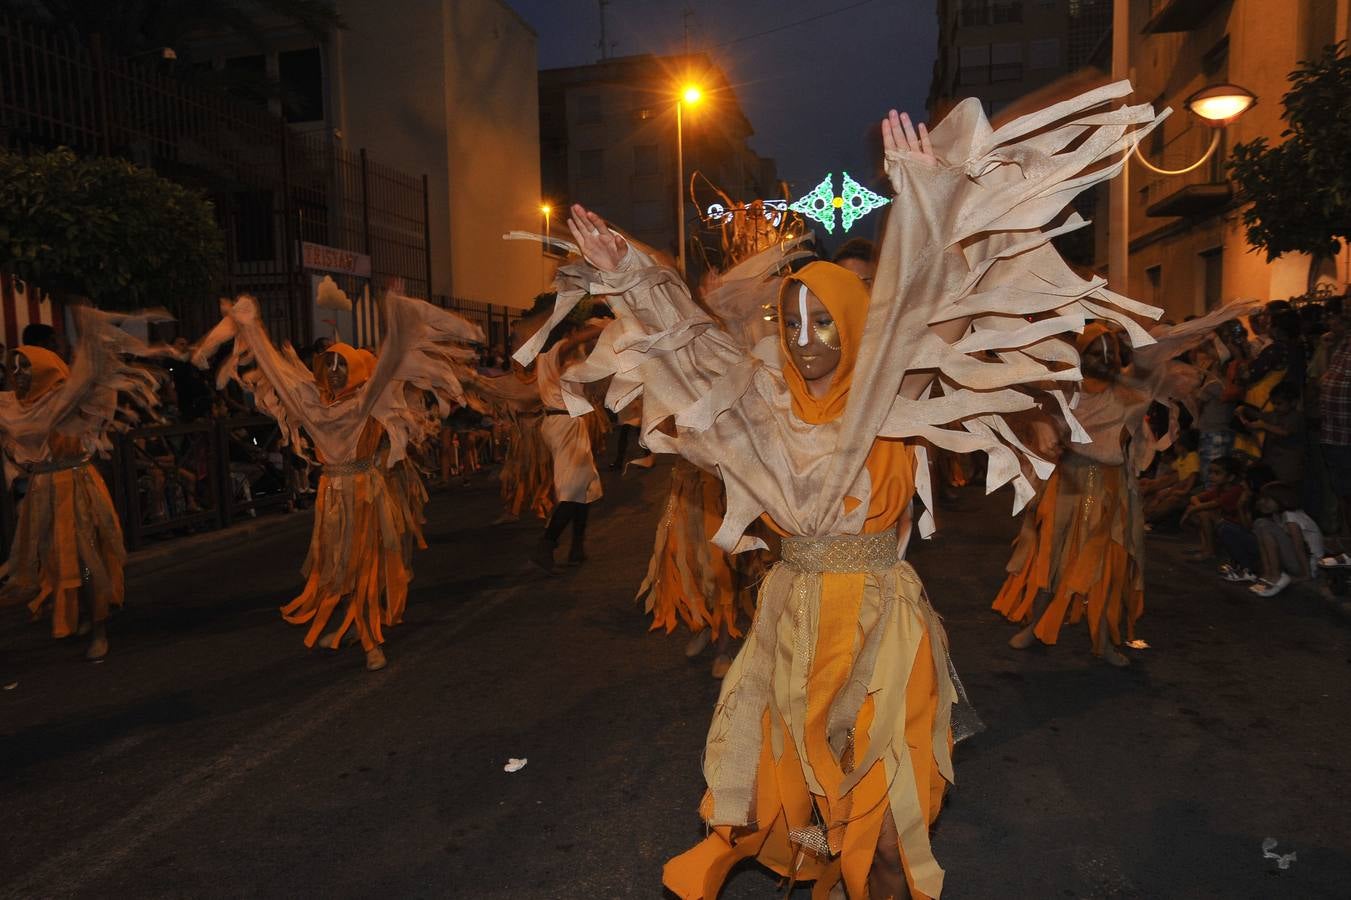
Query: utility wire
(824, 15)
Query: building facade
(608, 140)
(445, 88)
(1187, 249)
(1001, 50)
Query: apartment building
(445, 88)
(608, 139)
(1002, 50)
(1187, 248)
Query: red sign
(331, 259)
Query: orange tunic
(67, 534)
(784, 799)
(356, 551)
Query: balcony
(1199, 192)
(1179, 15)
(1192, 200)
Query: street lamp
(1218, 106)
(690, 94)
(546, 209)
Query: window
(974, 64)
(652, 215)
(642, 114)
(254, 224)
(646, 160)
(1154, 274)
(1044, 54)
(1212, 262)
(246, 78)
(588, 109)
(592, 163)
(975, 12)
(1002, 11)
(1006, 62)
(302, 84)
(1156, 140)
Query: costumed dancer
(689, 580)
(356, 572)
(566, 431)
(829, 751)
(1080, 551)
(526, 476)
(68, 553)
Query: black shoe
(543, 557)
(576, 557)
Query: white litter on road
(516, 765)
(1283, 860)
(11, 686)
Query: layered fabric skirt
(688, 579)
(356, 553)
(836, 712)
(527, 474)
(409, 493)
(574, 465)
(68, 535)
(1083, 544)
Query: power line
(786, 25)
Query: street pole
(680, 188)
(1118, 239)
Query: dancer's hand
(602, 247)
(898, 135)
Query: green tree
(1298, 193)
(107, 230)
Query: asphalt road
(212, 756)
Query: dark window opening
(302, 83)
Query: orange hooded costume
(68, 536)
(1083, 540)
(358, 561)
(821, 763)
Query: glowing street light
(1221, 104)
(546, 209)
(689, 95)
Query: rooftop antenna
(604, 44)
(685, 19)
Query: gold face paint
(828, 334)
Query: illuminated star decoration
(854, 202)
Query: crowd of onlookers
(1260, 467)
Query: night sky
(813, 92)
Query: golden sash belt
(842, 553)
(355, 467)
(57, 465)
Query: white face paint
(803, 339)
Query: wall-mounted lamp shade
(1221, 104)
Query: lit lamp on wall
(547, 210)
(690, 95)
(1217, 106)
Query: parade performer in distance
(1080, 551)
(356, 572)
(568, 437)
(68, 553)
(829, 751)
